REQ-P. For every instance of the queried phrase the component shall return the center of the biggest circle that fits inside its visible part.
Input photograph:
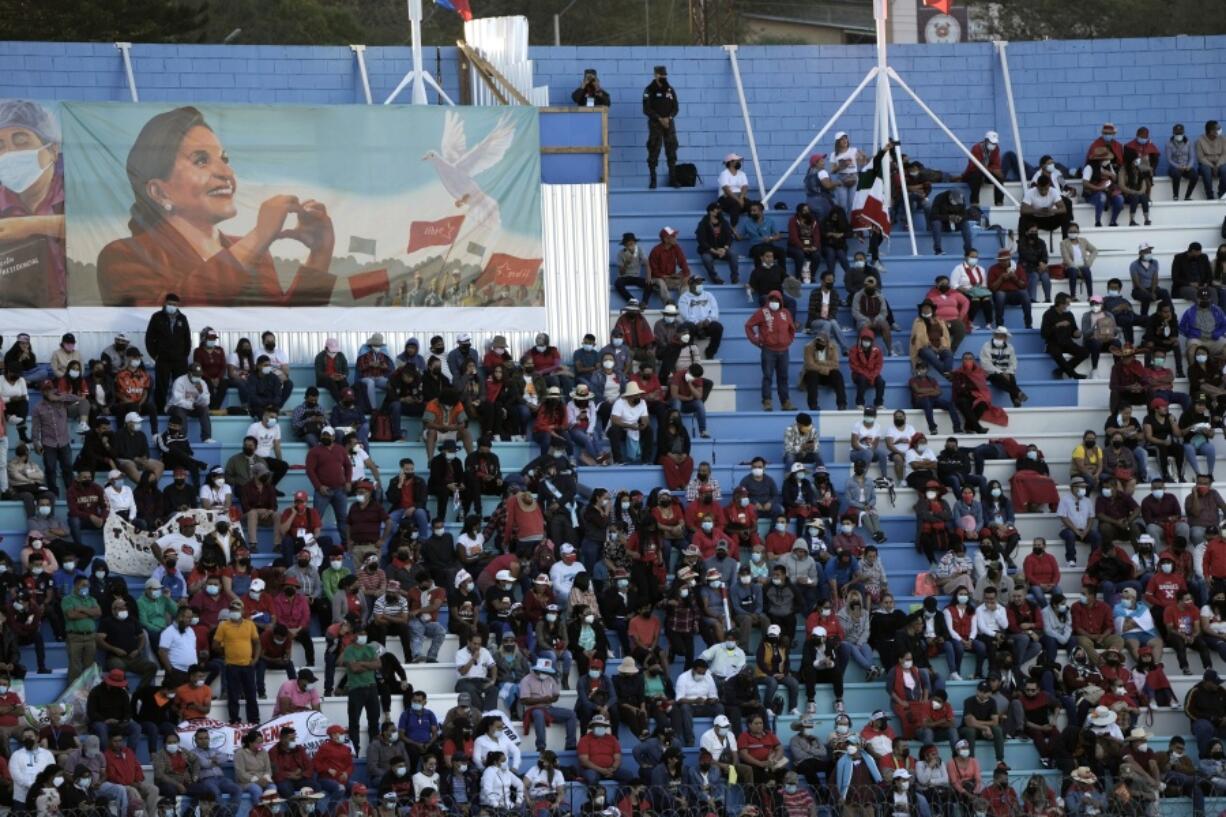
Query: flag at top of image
(940, 5)
(461, 8)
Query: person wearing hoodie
(767, 277)
(866, 362)
(772, 329)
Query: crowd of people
(634, 614)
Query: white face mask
(964, 753)
(122, 615)
(361, 639)
(930, 494)
(757, 471)
(19, 169)
(774, 306)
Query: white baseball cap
(992, 136)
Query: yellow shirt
(1091, 457)
(236, 639)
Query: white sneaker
(796, 712)
(953, 676)
(209, 441)
(1093, 374)
(1071, 563)
(83, 426)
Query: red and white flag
(510, 271)
(868, 208)
(940, 5)
(434, 233)
(370, 282)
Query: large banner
(108, 204)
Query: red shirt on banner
(434, 233)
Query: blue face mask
(83, 592)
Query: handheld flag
(433, 233)
(940, 5)
(868, 207)
(461, 8)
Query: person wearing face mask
(1180, 161)
(211, 358)
(700, 310)
(291, 764)
(1144, 275)
(804, 242)
(633, 270)
(121, 637)
(168, 339)
(1077, 255)
(239, 643)
(733, 188)
(189, 397)
(1204, 323)
(772, 329)
(822, 316)
(949, 214)
(1100, 181)
(1060, 333)
(856, 779)
(715, 236)
(1137, 183)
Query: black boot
(672, 176)
(651, 184)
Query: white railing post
(753, 144)
(125, 49)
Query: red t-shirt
(759, 748)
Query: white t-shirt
(1039, 201)
(359, 458)
(543, 783)
(480, 669)
(961, 279)
(736, 181)
(902, 435)
(264, 438)
(1057, 179)
(218, 497)
(234, 361)
(715, 745)
(276, 357)
(867, 434)
(920, 455)
(627, 413)
(851, 155)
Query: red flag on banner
(940, 5)
(509, 271)
(433, 233)
(371, 282)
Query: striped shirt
(386, 607)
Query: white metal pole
(1001, 45)
(753, 144)
(557, 29)
(902, 176)
(125, 49)
(931, 115)
(829, 124)
(360, 52)
(419, 86)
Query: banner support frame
(125, 50)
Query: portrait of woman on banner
(183, 189)
(32, 269)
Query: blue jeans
(835, 255)
(261, 668)
(776, 364)
(1034, 277)
(938, 226)
(730, 258)
(869, 455)
(339, 503)
(1206, 176)
(953, 651)
(862, 654)
(1100, 200)
(58, 460)
(1205, 449)
(421, 630)
(695, 407)
(799, 258)
(131, 730)
(544, 439)
(219, 785)
(419, 517)
(1134, 200)
(588, 442)
(1075, 273)
(832, 330)
(927, 404)
(335, 794)
(1070, 542)
(373, 386)
(559, 715)
(942, 361)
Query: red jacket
(284, 763)
(991, 163)
(335, 756)
(1027, 614)
(212, 361)
(1117, 150)
(696, 511)
(866, 364)
(769, 330)
(794, 236)
(635, 330)
(1041, 569)
(122, 767)
(665, 262)
(1214, 565)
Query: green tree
(1095, 19)
(157, 21)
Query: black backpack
(685, 175)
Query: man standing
(168, 338)
(361, 662)
(772, 329)
(660, 108)
(239, 642)
(81, 614)
(330, 471)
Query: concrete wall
(1064, 89)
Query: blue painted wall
(1064, 90)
